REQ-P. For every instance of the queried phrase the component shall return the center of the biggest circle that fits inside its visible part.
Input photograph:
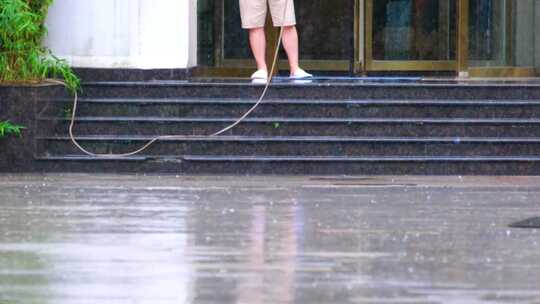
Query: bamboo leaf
(22, 58)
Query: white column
(148, 34)
(193, 29)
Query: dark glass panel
(414, 30)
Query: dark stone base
(90, 74)
(20, 105)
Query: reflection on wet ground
(126, 239)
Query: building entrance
(481, 38)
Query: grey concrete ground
(125, 239)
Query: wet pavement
(136, 239)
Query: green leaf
(22, 57)
(7, 128)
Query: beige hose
(176, 137)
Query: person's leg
(257, 40)
(284, 15)
(253, 14)
(290, 44)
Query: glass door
(502, 38)
(326, 39)
(479, 38)
(328, 32)
(223, 46)
(411, 35)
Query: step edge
(231, 101)
(192, 158)
(300, 139)
(191, 84)
(154, 119)
(363, 159)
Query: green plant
(7, 128)
(22, 56)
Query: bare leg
(290, 43)
(257, 39)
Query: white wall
(146, 34)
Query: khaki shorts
(254, 12)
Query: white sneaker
(260, 75)
(301, 74)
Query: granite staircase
(357, 127)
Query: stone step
(279, 126)
(298, 146)
(316, 90)
(231, 108)
(366, 165)
(355, 127)
(231, 164)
